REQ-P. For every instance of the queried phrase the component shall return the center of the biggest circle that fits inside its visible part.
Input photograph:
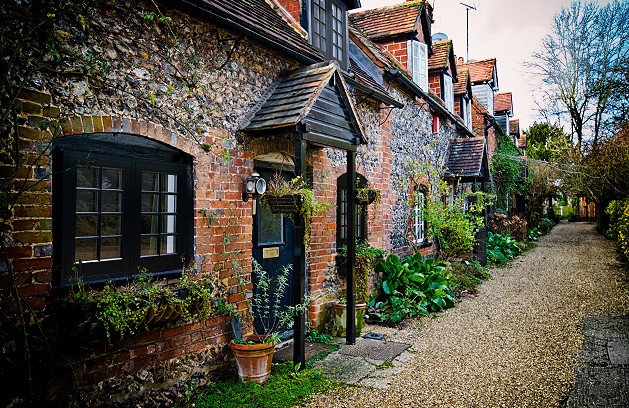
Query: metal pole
(299, 263)
(350, 335)
(467, 29)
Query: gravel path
(516, 343)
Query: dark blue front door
(272, 247)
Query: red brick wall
(29, 254)
(457, 105)
(434, 82)
(397, 48)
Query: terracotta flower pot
(253, 360)
(340, 318)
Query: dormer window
(329, 29)
(418, 62)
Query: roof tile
(388, 21)
(460, 87)
(514, 127)
(465, 158)
(503, 102)
(481, 71)
(441, 53)
(260, 17)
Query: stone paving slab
(375, 349)
(602, 379)
(600, 387)
(347, 369)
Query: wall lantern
(254, 185)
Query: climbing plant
(506, 170)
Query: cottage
(131, 148)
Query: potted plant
(293, 197)
(367, 195)
(366, 257)
(142, 304)
(254, 351)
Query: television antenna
(467, 29)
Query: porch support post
(299, 262)
(350, 335)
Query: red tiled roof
(465, 158)
(503, 102)
(460, 87)
(388, 21)
(481, 71)
(441, 53)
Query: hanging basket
(287, 204)
(365, 196)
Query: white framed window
(419, 225)
(468, 113)
(490, 100)
(448, 92)
(417, 61)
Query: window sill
(425, 243)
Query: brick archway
(118, 124)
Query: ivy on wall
(506, 169)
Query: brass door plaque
(273, 252)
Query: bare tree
(581, 67)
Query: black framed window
(342, 206)
(329, 29)
(119, 203)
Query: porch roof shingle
(289, 100)
(465, 158)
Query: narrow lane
(517, 342)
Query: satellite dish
(439, 37)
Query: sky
(509, 30)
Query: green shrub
(502, 247)
(534, 234)
(466, 276)
(618, 211)
(545, 225)
(412, 287)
